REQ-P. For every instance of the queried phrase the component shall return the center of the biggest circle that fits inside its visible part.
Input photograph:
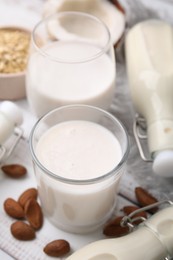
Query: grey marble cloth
(138, 10)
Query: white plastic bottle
(149, 57)
(10, 117)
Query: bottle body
(149, 51)
(138, 245)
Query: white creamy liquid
(52, 83)
(78, 150)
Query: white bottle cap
(163, 163)
(12, 111)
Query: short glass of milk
(79, 154)
(71, 61)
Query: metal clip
(129, 219)
(7, 149)
(139, 130)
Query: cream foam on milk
(55, 79)
(79, 150)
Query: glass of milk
(79, 154)
(71, 61)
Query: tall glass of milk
(71, 61)
(79, 154)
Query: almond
(14, 170)
(114, 229)
(33, 214)
(26, 195)
(22, 231)
(118, 5)
(129, 209)
(145, 198)
(13, 208)
(57, 248)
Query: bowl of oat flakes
(14, 49)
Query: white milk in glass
(78, 150)
(54, 79)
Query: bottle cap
(12, 111)
(163, 163)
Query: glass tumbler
(71, 61)
(79, 154)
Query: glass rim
(114, 172)
(102, 51)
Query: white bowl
(14, 14)
(12, 85)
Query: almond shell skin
(22, 231)
(14, 170)
(30, 193)
(33, 214)
(57, 248)
(13, 209)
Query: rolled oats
(14, 46)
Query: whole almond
(30, 193)
(129, 209)
(114, 229)
(57, 248)
(22, 231)
(13, 208)
(14, 170)
(33, 214)
(145, 198)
